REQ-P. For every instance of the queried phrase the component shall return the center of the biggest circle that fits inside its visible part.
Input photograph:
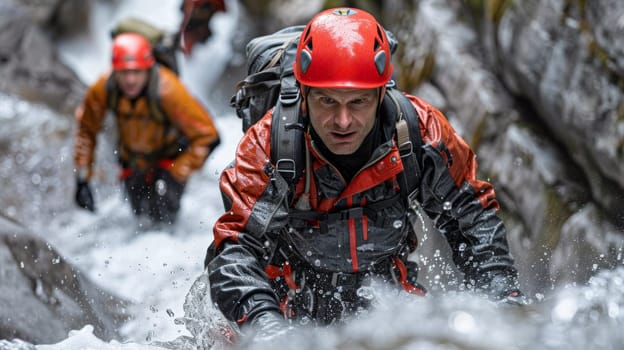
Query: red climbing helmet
(343, 48)
(132, 51)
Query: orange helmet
(132, 51)
(343, 48)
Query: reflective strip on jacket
(463, 209)
(140, 134)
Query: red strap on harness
(165, 164)
(125, 173)
(162, 164)
(242, 319)
(285, 271)
(408, 287)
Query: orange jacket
(140, 135)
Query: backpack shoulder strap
(409, 142)
(287, 128)
(112, 93)
(153, 96)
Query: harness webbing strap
(288, 127)
(402, 131)
(402, 278)
(409, 142)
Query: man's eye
(361, 101)
(326, 100)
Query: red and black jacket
(352, 228)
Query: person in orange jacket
(164, 134)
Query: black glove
(84, 198)
(515, 297)
(266, 325)
(504, 288)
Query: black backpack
(271, 82)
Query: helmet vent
(380, 62)
(379, 32)
(305, 59)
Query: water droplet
(447, 205)
(365, 293)
(397, 224)
(309, 253)
(613, 309)
(161, 187)
(35, 179)
(462, 247)
(304, 321)
(462, 322)
(565, 310)
(317, 263)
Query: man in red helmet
(273, 262)
(164, 134)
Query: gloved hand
(515, 297)
(84, 198)
(504, 288)
(266, 325)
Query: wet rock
(42, 297)
(59, 16)
(29, 66)
(566, 59)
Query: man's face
(131, 81)
(342, 117)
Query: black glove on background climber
(84, 197)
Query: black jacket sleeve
(240, 301)
(476, 235)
